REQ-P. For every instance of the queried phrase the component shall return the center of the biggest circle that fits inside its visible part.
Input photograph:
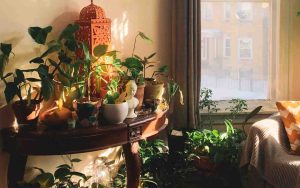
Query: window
(204, 49)
(207, 11)
(245, 11)
(227, 11)
(245, 48)
(237, 57)
(227, 47)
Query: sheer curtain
(186, 60)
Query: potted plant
(115, 108)
(27, 109)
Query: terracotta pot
(27, 115)
(155, 91)
(204, 163)
(55, 118)
(115, 113)
(140, 96)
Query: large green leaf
(62, 173)
(78, 174)
(100, 50)
(39, 35)
(69, 31)
(71, 44)
(19, 77)
(47, 88)
(10, 91)
(43, 70)
(6, 48)
(133, 63)
(45, 180)
(51, 49)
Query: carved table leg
(133, 164)
(16, 169)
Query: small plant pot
(27, 115)
(154, 91)
(140, 96)
(88, 110)
(115, 113)
(204, 163)
(56, 118)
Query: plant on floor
(64, 177)
(208, 106)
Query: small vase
(115, 113)
(27, 115)
(140, 96)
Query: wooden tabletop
(79, 140)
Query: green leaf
(43, 70)
(10, 91)
(86, 53)
(20, 77)
(37, 60)
(39, 35)
(143, 36)
(33, 80)
(53, 63)
(152, 55)
(64, 166)
(76, 160)
(45, 180)
(69, 31)
(163, 69)
(51, 49)
(39, 169)
(100, 50)
(62, 56)
(252, 113)
(7, 75)
(6, 48)
(47, 88)
(62, 173)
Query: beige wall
(152, 17)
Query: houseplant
(115, 108)
(27, 110)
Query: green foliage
(39, 35)
(219, 147)
(62, 177)
(208, 106)
(112, 92)
(237, 106)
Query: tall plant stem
(134, 44)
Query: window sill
(268, 109)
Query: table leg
(16, 169)
(133, 164)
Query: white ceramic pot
(115, 113)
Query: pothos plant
(64, 176)
(113, 94)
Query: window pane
(235, 48)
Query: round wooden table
(22, 143)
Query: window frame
(239, 48)
(225, 47)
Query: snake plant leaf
(47, 88)
(10, 91)
(100, 50)
(6, 48)
(45, 180)
(37, 60)
(69, 31)
(38, 34)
